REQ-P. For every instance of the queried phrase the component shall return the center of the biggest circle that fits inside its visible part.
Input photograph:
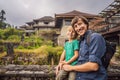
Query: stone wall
(44, 72)
(27, 72)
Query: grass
(3, 54)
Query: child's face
(70, 33)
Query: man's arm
(89, 66)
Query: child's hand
(64, 62)
(57, 69)
(61, 65)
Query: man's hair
(76, 19)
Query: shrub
(54, 53)
(31, 42)
(11, 31)
(3, 54)
(20, 47)
(45, 54)
(2, 48)
(14, 38)
(117, 55)
(2, 36)
(42, 51)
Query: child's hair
(71, 28)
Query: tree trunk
(9, 47)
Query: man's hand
(67, 67)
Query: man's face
(80, 27)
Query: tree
(2, 19)
(2, 13)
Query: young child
(69, 56)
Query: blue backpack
(110, 51)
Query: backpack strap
(88, 38)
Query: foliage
(11, 31)
(42, 55)
(2, 19)
(47, 34)
(2, 24)
(48, 42)
(34, 42)
(31, 42)
(2, 13)
(6, 33)
(31, 49)
(54, 53)
(2, 36)
(117, 55)
(2, 48)
(2, 54)
(9, 35)
(14, 38)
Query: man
(89, 62)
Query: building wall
(63, 36)
(43, 24)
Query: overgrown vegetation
(34, 42)
(117, 55)
(10, 34)
(43, 55)
(28, 50)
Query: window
(46, 22)
(67, 22)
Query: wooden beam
(115, 6)
(117, 0)
(114, 10)
(108, 11)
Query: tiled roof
(75, 13)
(31, 22)
(45, 18)
(23, 26)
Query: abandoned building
(107, 23)
(41, 24)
